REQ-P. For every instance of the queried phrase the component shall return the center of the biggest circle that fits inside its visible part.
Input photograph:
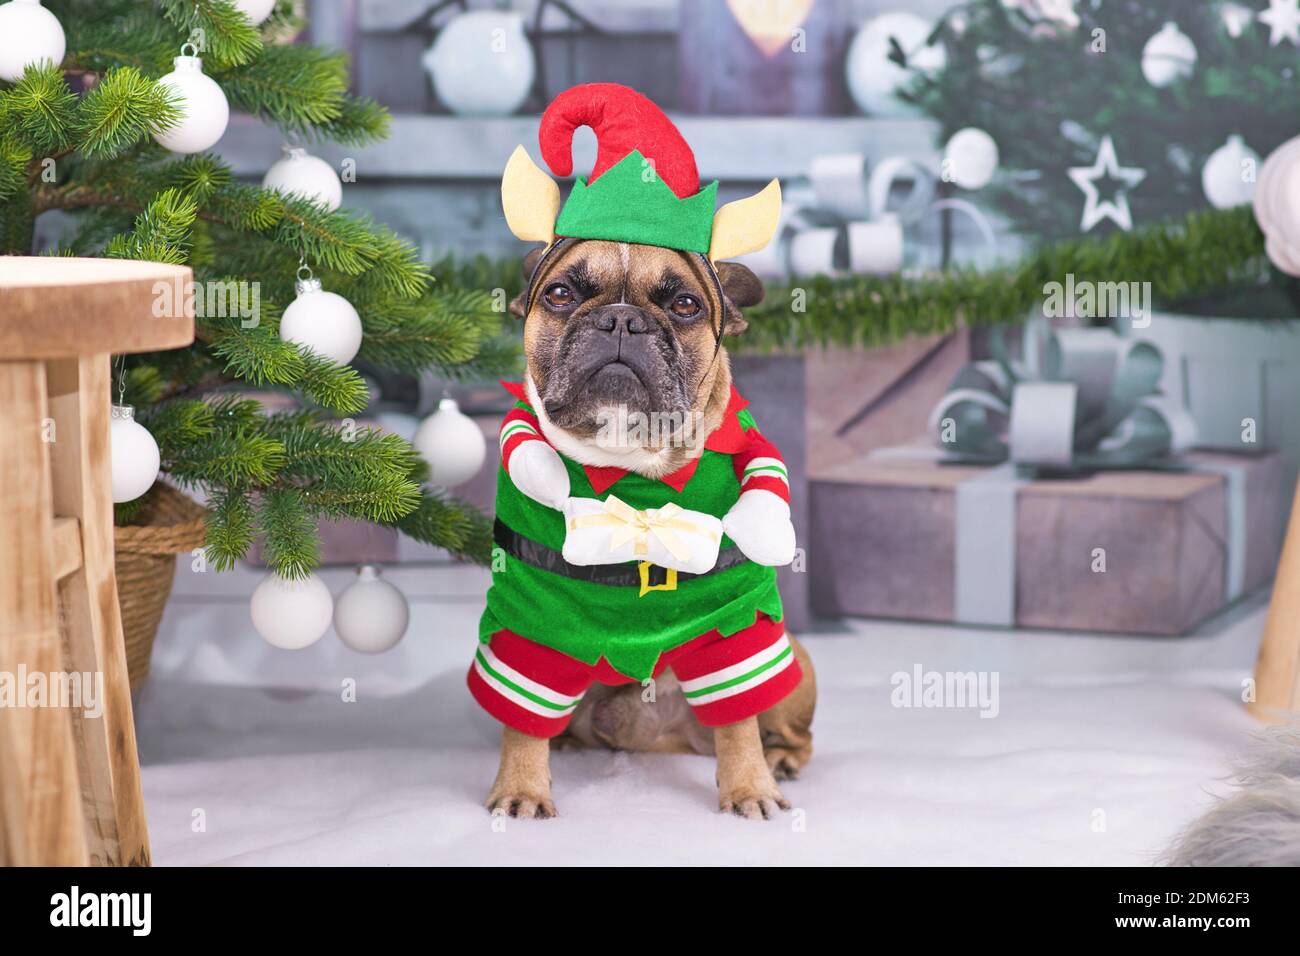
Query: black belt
(642, 574)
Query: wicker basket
(170, 524)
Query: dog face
(620, 327)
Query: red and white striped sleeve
(518, 427)
(759, 466)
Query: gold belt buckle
(670, 578)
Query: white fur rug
(1102, 749)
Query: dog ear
(740, 284)
(528, 265)
(742, 288)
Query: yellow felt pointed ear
(530, 198)
(746, 225)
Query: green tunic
(588, 621)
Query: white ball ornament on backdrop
(371, 615)
(970, 158)
(134, 455)
(255, 10)
(324, 322)
(873, 78)
(482, 64)
(299, 173)
(291, 614)
(29, 34)
(1229, 174)
(204, 108)
(1169, 56)
(1276, 205)
(452, 443)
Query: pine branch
(14, 157)
(39, 109)
(360, 121)
(444, 328)
(451, 524)
(295, 87)
(121, 110)
(290, 533)
(221, 32)
(230, 528)
(161, 232)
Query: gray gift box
(1133, 551)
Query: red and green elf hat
(644, 187)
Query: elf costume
(607, 575)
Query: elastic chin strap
(563, 243)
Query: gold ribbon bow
(637, 526)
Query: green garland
(1209, 255)
(1206, 254)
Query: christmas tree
(1165, 82)
(81, 136)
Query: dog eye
(559, 296)
(685, 307)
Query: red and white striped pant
(535, 689)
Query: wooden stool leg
(40, 810)
(1277, 672)
(79, 392)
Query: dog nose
(627, 319)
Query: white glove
(537, 471)
(759, 523)
(592, 543)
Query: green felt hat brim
(624, 205)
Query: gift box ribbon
(629, 524)
(1079, 399)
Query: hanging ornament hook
(192, 47)
(307, 281)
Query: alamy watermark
(977, 690)
(617, 427)
(209, 299)
(72, 690)
(1101, 300)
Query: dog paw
(753, 804)
(527, 806)
(786, 762)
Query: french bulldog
(623, 333)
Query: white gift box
(612, 532)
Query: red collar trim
(728, 438)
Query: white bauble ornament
(481, 64)
(324, 322)
(970, 159)
(204, 108)
(452, 443)
(300, 173)
(1169, 56)
(1277, 205)
(134, 453)
(29, 34)
(371, 615)
(255, 10)
(290, 614)
(1236, 18)
(1228, 176)
(873, 77)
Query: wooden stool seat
(69, 775)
